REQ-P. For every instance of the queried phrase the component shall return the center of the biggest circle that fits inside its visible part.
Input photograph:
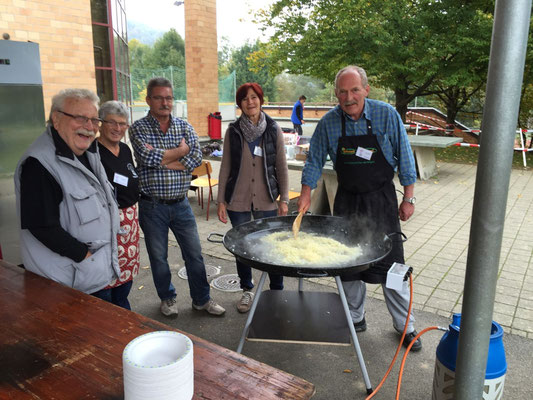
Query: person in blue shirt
(367, 143)
(297, 116)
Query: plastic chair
(203, 173)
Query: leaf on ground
(140, 287)
(347, 371)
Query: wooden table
(424, 149)
(58, 343)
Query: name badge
(120, 179)
(258, 151)
(363, 153)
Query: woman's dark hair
(242, 91)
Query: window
(111, 58)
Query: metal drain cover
(210, 270)
(227, 283)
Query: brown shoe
(246, 301)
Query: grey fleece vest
(88, 212)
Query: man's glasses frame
(80, 119)
(161, 98)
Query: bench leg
(425, 162)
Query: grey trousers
(397, 303)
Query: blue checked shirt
(155, 179)
(386, 125)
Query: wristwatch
(411, 200)
(285, 201)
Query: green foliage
(226, 88)
(140, 54)
(239, 61)
(291, 87)
(169, 50)
(526, 100)
(405, 44)
(165, 58)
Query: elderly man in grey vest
(68, 212)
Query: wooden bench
(423, 147)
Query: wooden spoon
(296, 224)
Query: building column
(201, 62)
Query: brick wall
(201, 62)
(64, 33)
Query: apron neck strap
(343, 123)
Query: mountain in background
(143, 33)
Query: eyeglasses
(161, 98)
(80, 119)
(115, 124)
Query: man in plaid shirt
(167, 150)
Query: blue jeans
(245, 273)
(117, 295)
(155, 220)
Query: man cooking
(367, 142)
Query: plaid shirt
(155, 179)
(386, 125)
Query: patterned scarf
(250, 131)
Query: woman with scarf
(253, 180)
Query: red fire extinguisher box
(214, 125)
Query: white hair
(359, 70)
(58, 101)
(114, 107)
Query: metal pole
(506, 67)
(355, 341)
(252, 312)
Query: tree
(166, 58)
(169, 50)
(404, 45)
(290, 87)
(466, 73)
(239, 62)
(140, 54)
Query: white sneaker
(212, 307)
(169, 307)
(245, 303)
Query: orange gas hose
(405, 358)
(378, 387)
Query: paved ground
(332, 369)
(437, 244)
(436, 249)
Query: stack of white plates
(159, 366)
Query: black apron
(366, 194)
